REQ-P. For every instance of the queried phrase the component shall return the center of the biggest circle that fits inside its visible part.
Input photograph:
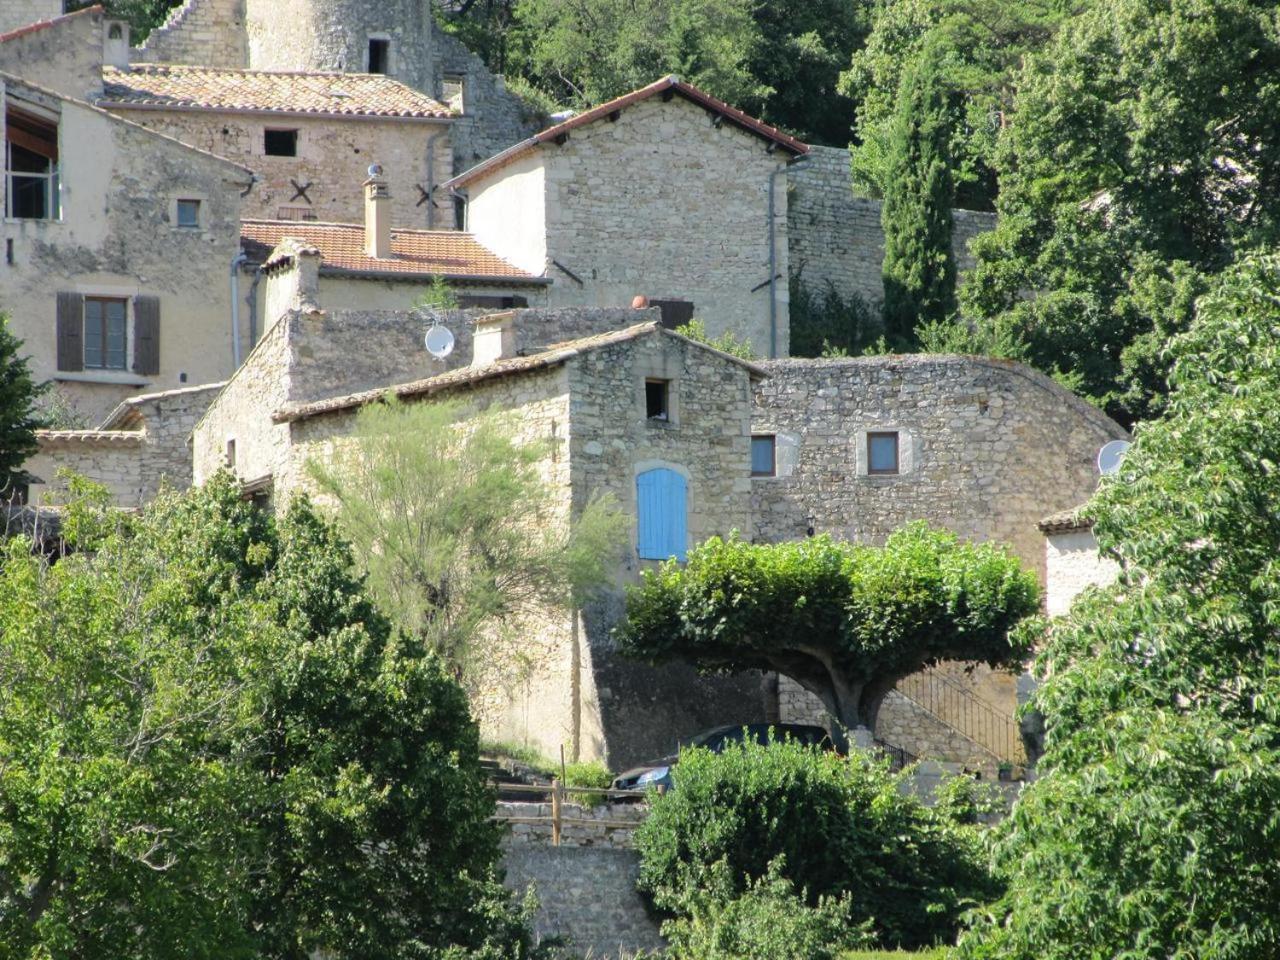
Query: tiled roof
(113, 437)
(668, 86)
(44, 24)
(420, 253)
(1066, 521)
(126, 415)
(163, 86)
(467, 376)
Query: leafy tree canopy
(143, 16)
(1142, 157)
(214, 746)
(844, 621)
(1151, 830)
(18, 393)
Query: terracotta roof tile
(669, 86)
(1066, 521)
(163, 86)
(420, 253)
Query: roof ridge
(201, 68)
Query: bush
(590, 774)
(823, 322)
(767, 921)
(842, 827)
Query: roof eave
(469, 278)
(111, 105)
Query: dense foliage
(143, 16)
(1151, 831)
(919, 271)
(832, 826)
(1143, 155)
(214, 746)
(824, 322)
(844, 621)
(18, 393)
(457, 530)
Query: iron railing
(954, 705)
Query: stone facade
(20, 13)
(203, 33)
(65, 55)
(660, 202)
(836, 237)
(140, 449)
(116, 237)
(1073, 563)
(334, 154)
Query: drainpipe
(773, 255)
(431, 178)
(252, 301)
(466, 208)
(239, 260)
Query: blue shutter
(661, 509)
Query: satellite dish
(439, 341)
(1110, 455)
(375, 169)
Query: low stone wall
(611, 826)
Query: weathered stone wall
(985, 447)
(117, 238)
(346, 292)
(203, 33)
(65, 56)
(20, 13)
(334, 154)
(836, 237)
(661, 203)
(113, 459)
(587, 894)
(1072, 563)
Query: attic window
(189, 214)
(657, 400)
(30, 166)
(379, 56)
(280, 143)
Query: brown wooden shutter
(146, 335)
(70, 331)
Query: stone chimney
(494, 339)
(377, 215)
(115, 44)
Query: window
(189, 214)
(231, 453)
(295, 213)
(454, 93)
(104, 334)
(491, 302)
(30, 166)
(661, 515)
(280, 143)
(657, 400)
(675, 313)
(882, 452)
(763, 462)
(379, 56)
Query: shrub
(767, 921)
(842, 827)
(592, 773)
(822, 322)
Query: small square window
(189, 214)
(882, 453)
(763, 456)
(657, 397)
(280, 143)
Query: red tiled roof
(420, 253)
(1065, 521)
(163, 86)
(45, 24)
(670, 85)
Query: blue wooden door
(661, 507)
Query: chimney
(115, 44)
(494, 339)
(377, 215)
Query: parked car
(657, 773)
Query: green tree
(919, 269)
(726, 343)
(214, 746)
(459, 534)
(143, 16)
(1150, 831)
(845, 622)
(1142, 157)
(18, 393)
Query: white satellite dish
(439, 341)
(1110, 455)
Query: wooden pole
(556, 786)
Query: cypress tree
(17, 411)
(919, 269)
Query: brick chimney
(494, 339)
(377, 215)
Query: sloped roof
(469, 376)
(1066, 521)
(668, 86)
(417, 253)
(45, 24)
(166, 86)
(127, 413)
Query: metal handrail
(960, 709)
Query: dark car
(657, 773)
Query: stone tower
(343, 36)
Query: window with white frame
(30, 166)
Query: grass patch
(937, 953)
(514, 751)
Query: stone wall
(1072, 563)
(20, 13)
(334, 154)
(836, 237)
(65, 56)
(202, 33)
(113, 459)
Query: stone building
(1072, 559)
(666, 193)
(116, 254)
(21, 13)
